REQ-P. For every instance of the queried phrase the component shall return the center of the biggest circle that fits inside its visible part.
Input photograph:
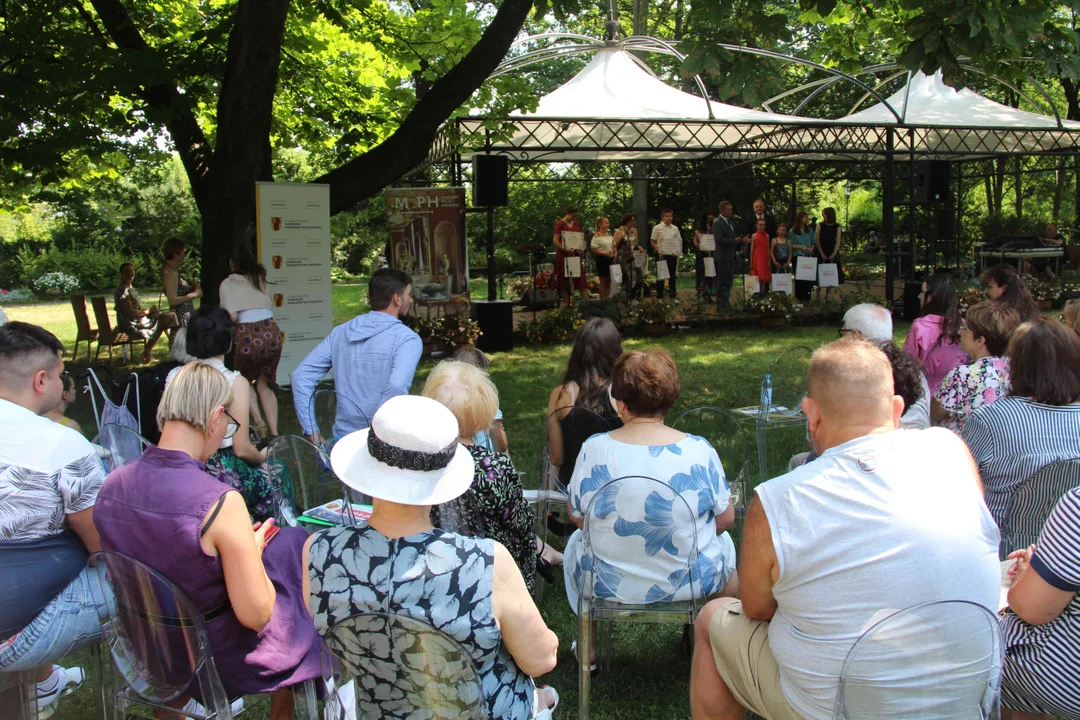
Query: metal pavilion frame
(530, 141)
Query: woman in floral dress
(984, 335)
(494, 507)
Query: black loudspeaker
(933, 178)
(496, 320)
(540, 298)
(490, 183)
(912, 304)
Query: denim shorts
(70, 622)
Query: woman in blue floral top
(984, 336)
(640, 547)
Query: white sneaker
(59, 683)
(196, 709)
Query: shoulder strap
(213, 515)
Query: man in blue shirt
(373, 357)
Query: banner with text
(294, 245)
(427, 239)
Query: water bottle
(766, 391)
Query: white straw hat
(410, 454)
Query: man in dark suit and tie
(727, 245)
(749, 224)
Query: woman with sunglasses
(245, 579)
(237, 462)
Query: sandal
(544, 569)
(547, 713)
(593, 668)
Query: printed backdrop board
(427, 239)
(294, 245)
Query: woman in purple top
(934, 338)
(249, 589)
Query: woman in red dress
(759, 255)
(568, 223)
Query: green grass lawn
(649, 677)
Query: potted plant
(1043, 292)
(427, 329)
(652, 315)
(972, 296)
(774, 308)
(459, 330)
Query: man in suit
(749, 224)
(727, 245)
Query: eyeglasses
(842, 332)
(233, 426)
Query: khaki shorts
(741, 651)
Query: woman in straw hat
(469, 588)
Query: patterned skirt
(251, 481)
(257, 347)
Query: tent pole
(887, 213)
(959, 202)
(913, 249)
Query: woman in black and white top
(1041, 677)
(1039, 422)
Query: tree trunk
(242, 152)
(989, 195)
(999, 183)
(1059, 187)
(1018, 182)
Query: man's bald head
(851, 383)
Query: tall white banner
(294, 245)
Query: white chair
(395, 666)
(667, 522)
(937, 660)
(729, 438)
(780, 409)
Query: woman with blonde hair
(494, 506)
(604, 249)
(249, 589)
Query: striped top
(1012, 438)
(1044, 661)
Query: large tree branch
(365, 175)
(165, 99)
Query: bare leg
(257, 420)
(605, 288)
(268, 400)
(281, 704)
(150, 344)
(549, 553)
(546, 698)
(710, 698)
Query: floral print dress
(493, 507)
(967, 387)
(436, 577)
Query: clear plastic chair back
(566, 430)
(302, 478)
(637, 526)
(400, 667)
(784, 385)
(325, 403)
(157, 638)
(1032, 502)
(938, 660)
(728, 437)
(18, 695)
(122, 445)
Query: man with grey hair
(49, 481)
(806, 595)
(727, 246)
(874, 323)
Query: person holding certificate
(569, 246)
(626, 239)
(667, 243)
(705, 249)
(603, 247)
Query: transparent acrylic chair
(122, 445)
(639, 520)
(18, 695)
(780, 410)
(933, 660)
(160, 647)
(565, 429)
(394, 666)
(1032, 501)
(325, 403)
(302, 479)
(729, 438)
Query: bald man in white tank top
(881, 521)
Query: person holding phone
(167, 512)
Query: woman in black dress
(827, 239)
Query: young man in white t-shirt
(49, 481)
(666, 231)
(906, 524)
